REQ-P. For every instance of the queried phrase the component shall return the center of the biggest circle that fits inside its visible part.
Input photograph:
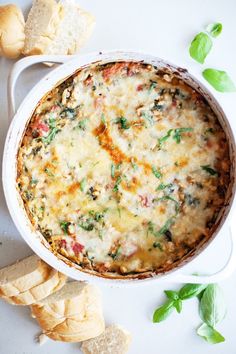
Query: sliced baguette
(57, 28)
(41, 26)
(73, 31)
(51, 284)
(23, 275)
(72, 314)
(114, 340)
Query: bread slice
(73, 31)
(53, 283)
(12, 25)
(57, 28)
(23, 275)
(115, 340)
(41, 26)
(72, 314)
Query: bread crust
(49, 32)
(12, 35)
(53, 282)
(72, 319)
(27, 281)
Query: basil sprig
(200, 47)
(212, 308)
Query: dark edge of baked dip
(123, 169)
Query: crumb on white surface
(41, 338)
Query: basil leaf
(210, 334)
(165, 137)
(210, 170)
(177, 133)
(191, 290)
(103, 119)
(87, 225)
(156, 173)
(82, 124)
(163, 312)
(118, 182)
(214, 29)
(148, 117)
(162, 186)
(200, 47)
(212, 305)
(52, 133)
(113, 169)
(83, 184)
(220, 80)
(152, 86)
(165, 227)
(167, 197)
(171, 294)
(68, 113)
(162, 230)
(123, 123)
(178, 305)
(65, 226)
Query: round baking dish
(35, 240)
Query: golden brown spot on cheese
(182, 162)
(106, 142)
(132, 186)
(59, 194)
(73, 187)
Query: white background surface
(163, 28)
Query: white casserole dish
(16, 130)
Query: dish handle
(222, 274)
(20, 66)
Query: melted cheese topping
(123, 169)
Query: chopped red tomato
(88, 81)
(42, 126)
(139, 87)
(112, 70)
(55, 108)
(39, 128)
(174, 103)
(145, 200)
(62, 243)
(77, 248)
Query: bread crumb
(42, 339)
